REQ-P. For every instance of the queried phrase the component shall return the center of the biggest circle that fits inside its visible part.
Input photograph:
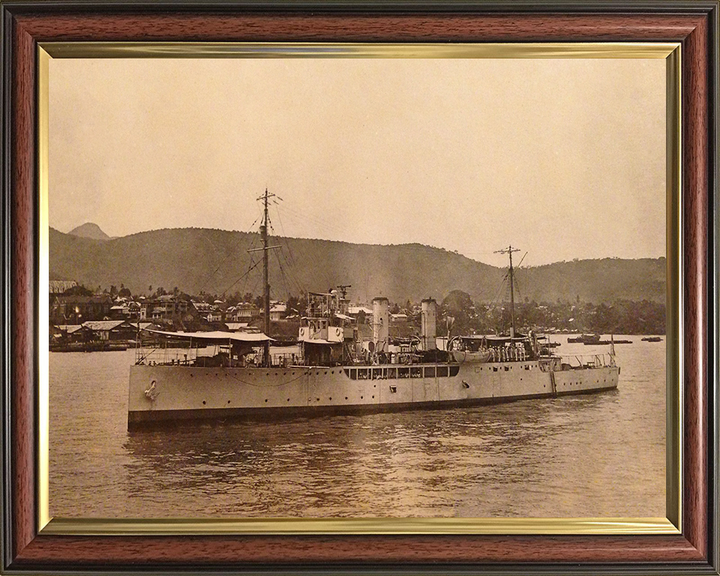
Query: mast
(266, 280)
(509, 251)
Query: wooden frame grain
(694, 24)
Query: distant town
(111, 317)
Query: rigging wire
(496, 300)
(244, 277)
(518, 268)
(290, 264)
(293, 277)
(252, 264)
(283, 276)
(293, 214)
(209, 277)
(300, 216)
(517, 288)
(223, 262)
(284, 236)
(287, 278)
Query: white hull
(166, 393)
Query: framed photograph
(360, 287)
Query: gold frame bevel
(670, 51)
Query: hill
(217, 262)
(89, 230)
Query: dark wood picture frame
(693, 24)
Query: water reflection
(426, 461)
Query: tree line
(458, 314)
(462, 315)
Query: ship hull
(163, 394)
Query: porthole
(204, 402)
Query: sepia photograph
(357, 287)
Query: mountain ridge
(89, 230)
(215, 261)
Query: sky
(563, 158)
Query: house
(168, 307)
(278, 311)
(203, 308)
(119, 311)
(66, 333)
(209, 312)
(214, 316)
(133, 310)
(242, 312)
(355, 310)
(77, 309)
(360, 313)
(107, 330)
(124, 308)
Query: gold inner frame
(671, 52)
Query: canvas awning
(216, 336)
(494, 339)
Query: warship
(334, 370)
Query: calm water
(593, 455)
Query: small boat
(586, 339)
(652, 339)
(92, 346)
(545, 342)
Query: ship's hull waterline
(162, 394)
